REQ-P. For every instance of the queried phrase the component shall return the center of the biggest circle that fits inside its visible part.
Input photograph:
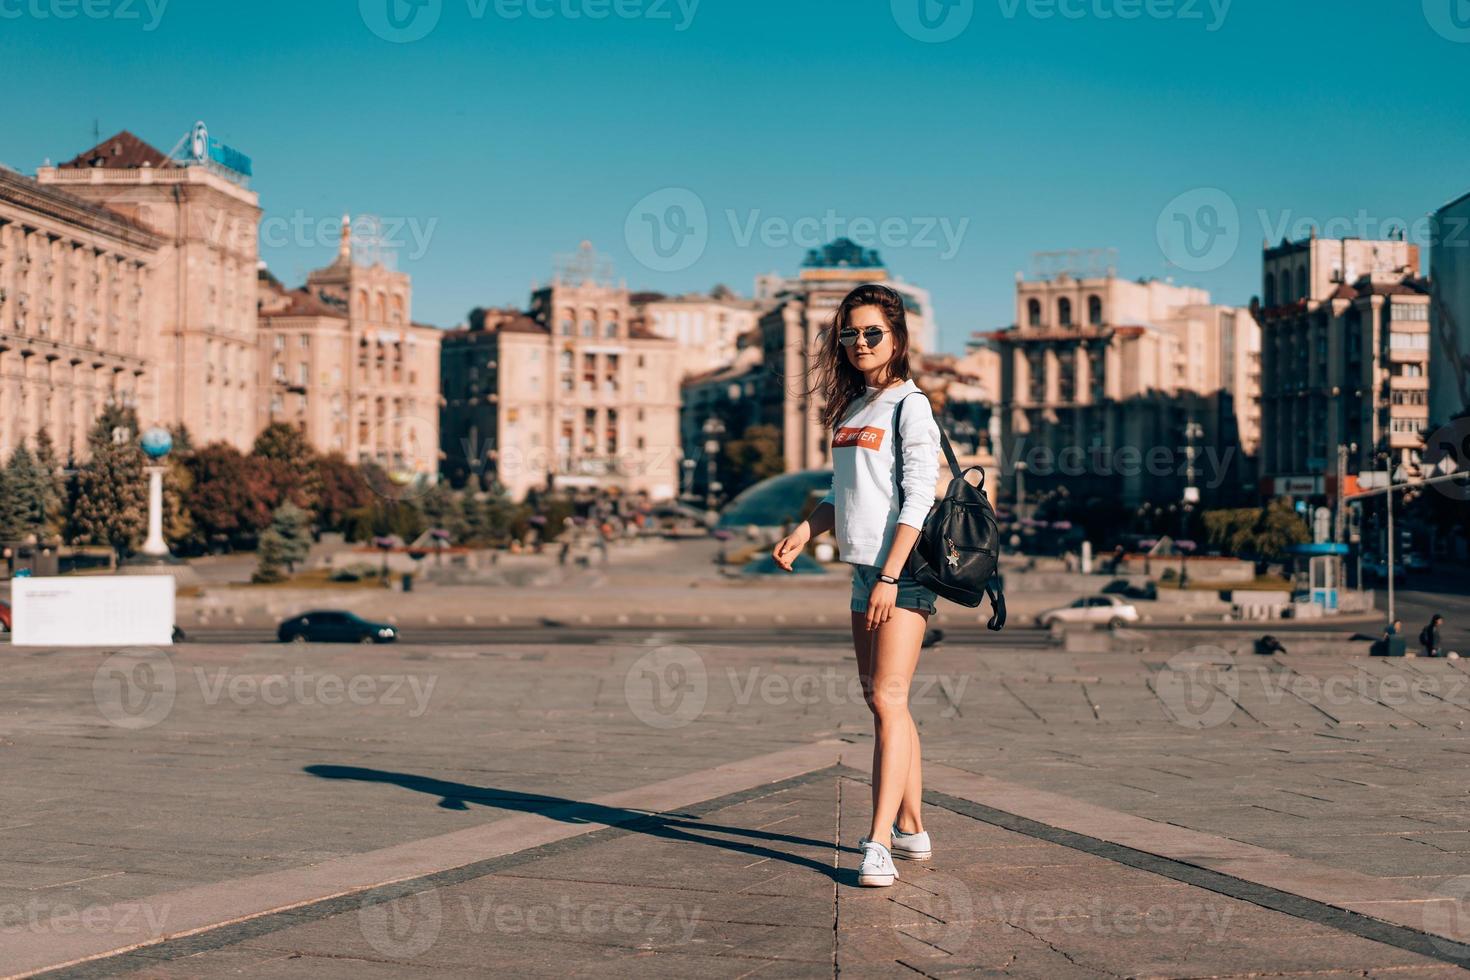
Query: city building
(1449, 315)
(841, 265)
(1129, 384)
(201, 343)
(705, 325)
(75, 314)
(342, 359)
(572, 394)
(1345, 361)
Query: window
(1408, 341)
(303, 374)
(589, 329)
(1409, 311)
(306, 341)
(1270, 290)
(610, 329)
(1033, 312)
(1285, 287)
(1064, 312)
(1301, 283)
(279, 341)
(566, 328)
(1094, 311)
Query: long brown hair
(839, 383)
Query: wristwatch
(887, 578)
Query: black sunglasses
(848, 336)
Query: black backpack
(959, 545)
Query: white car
(1108, 610)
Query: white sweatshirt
(864, 490)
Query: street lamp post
(713, 428)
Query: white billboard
(89, 611)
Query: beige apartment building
(75, 293)
(342, 358)
(1109, 370)
(201, 346)
(706, 326)
(1346, 342)
(572, 394)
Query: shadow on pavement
(458, 796)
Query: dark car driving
(334, 626)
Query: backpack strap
(954, 463)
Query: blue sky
(514, 129)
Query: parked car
(1416, 562)
(5, 617)
(1105, 609)
(334, 626)
(1122, 587)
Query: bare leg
(886, 663)
(909, 819)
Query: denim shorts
(911, 595)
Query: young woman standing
(863, 372)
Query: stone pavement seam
(234, 933)
(1351, 902)
(208, 907)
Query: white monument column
(155, 546)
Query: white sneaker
(913, 847)
(877, 869)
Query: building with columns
(569, 395)
(75, 313)
(201, 345)
(342, 358)
(1345, 358)
(1099, 373)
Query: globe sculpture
(156, 442)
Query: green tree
(296, 476)
(178, 520)
(110, 500)
(54, 519)
(286, 542)
(23, 497)
(228, 500)
(442, 509)
(343, 490)
(753, 457)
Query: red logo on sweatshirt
(866, 437)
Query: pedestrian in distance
(862, 374)
(1429, 636)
